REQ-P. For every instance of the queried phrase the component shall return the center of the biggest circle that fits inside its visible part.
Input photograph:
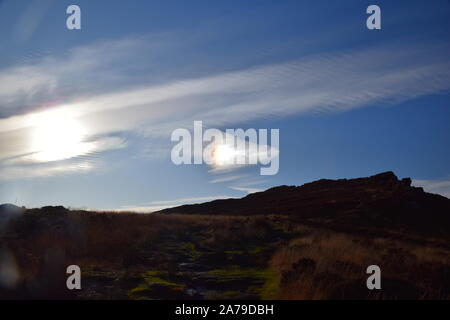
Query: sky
(86, 116)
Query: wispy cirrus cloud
(441, 186)
(109, 100)
(78, 150)
(159, 205)
(45, 170)
(247, 189)
(228, 178)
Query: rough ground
(316, 245)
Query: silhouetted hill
(378, 201)
(9, 208)
(309, 242)
(7, 212)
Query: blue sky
(348, 101)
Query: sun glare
(223, 155)
(57, 135)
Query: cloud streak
(247, 190)
(39, 171)
(441, 187)
(160, 205)
(326, 82)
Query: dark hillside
(379, 201)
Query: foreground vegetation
(160, 256)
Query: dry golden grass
(314, 264)
(323, 264)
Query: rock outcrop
(380, 201)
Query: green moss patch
(270, 278)
(151, 281)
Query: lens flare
(223, 155)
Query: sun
(57, 135)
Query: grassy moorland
(157, 256)
(309, 242)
